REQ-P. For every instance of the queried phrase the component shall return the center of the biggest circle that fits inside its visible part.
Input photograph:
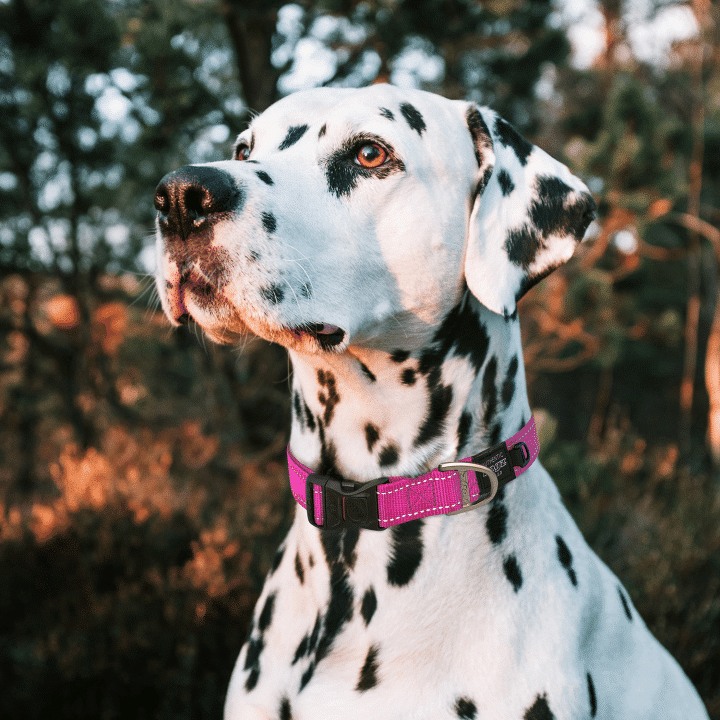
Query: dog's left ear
(529, 213)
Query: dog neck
(367, 413)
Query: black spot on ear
(465, 709)
(539, 710)
(408, 377)
(369, 374)
(511, 138)
(387, 113)
(294, 133)
(496, 523)
(565, 558)
(399, 356)
(482, 182)
(368, 673)
(508, 388)
(506, 183)
(414, 118)
(512, 572)
(323, 130)
(407, 552)
(388, 456)
(269, 222)
(299, 569)
(480, 133)
(285, 710)
(273, 294)
(463, 431)
(372, 435)
(591, 694)
(265, 177)
(369, 605)
(625, 604)
(522, 246)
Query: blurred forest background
(142, 480)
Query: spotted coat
(384, 236)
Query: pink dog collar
(451, 488)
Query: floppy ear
(529, 213)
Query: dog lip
(327, 335)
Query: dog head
(359, 216)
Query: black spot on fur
(369, 374)
(550, 213)
(434, 423)
(253, 255)
(508, 388)
(267, 612)
(323, 130)
(565, 558)
(414, 118)
(306, 677)
(328, 395)
(277, 559)
(301, 650)
(512, 572)
(265, 177)
(328, 454)
(369, 605)
(408, 377)
(368, 673)
(539, 710)
(269, 222)
(480, 133)
(482, 182)
(388, 456)
(625, 604)
(489, 390)
(297, 410)
(511, 138)
(294, 133)
(496, 523)
(387, 113)
(399, 356)
(306, 290)
(309, 419)
(285, 710)
(255, 648)
(506, 183)
(463, 431)
(495, 434)
(252, 679)
(407, 552)
(273, 294)
(372, 435)
(465, 709)
(299, 569)
(591, 694)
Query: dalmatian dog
(384, 236)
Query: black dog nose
(191, 197)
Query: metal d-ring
(462, 469)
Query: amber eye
(242, 153)
(371, 156)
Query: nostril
(198, 202)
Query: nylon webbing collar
(451, 488)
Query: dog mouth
(326, 335)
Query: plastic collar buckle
(345, 504)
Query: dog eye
(371, 155)
(242, 153)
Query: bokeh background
(142, 481)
